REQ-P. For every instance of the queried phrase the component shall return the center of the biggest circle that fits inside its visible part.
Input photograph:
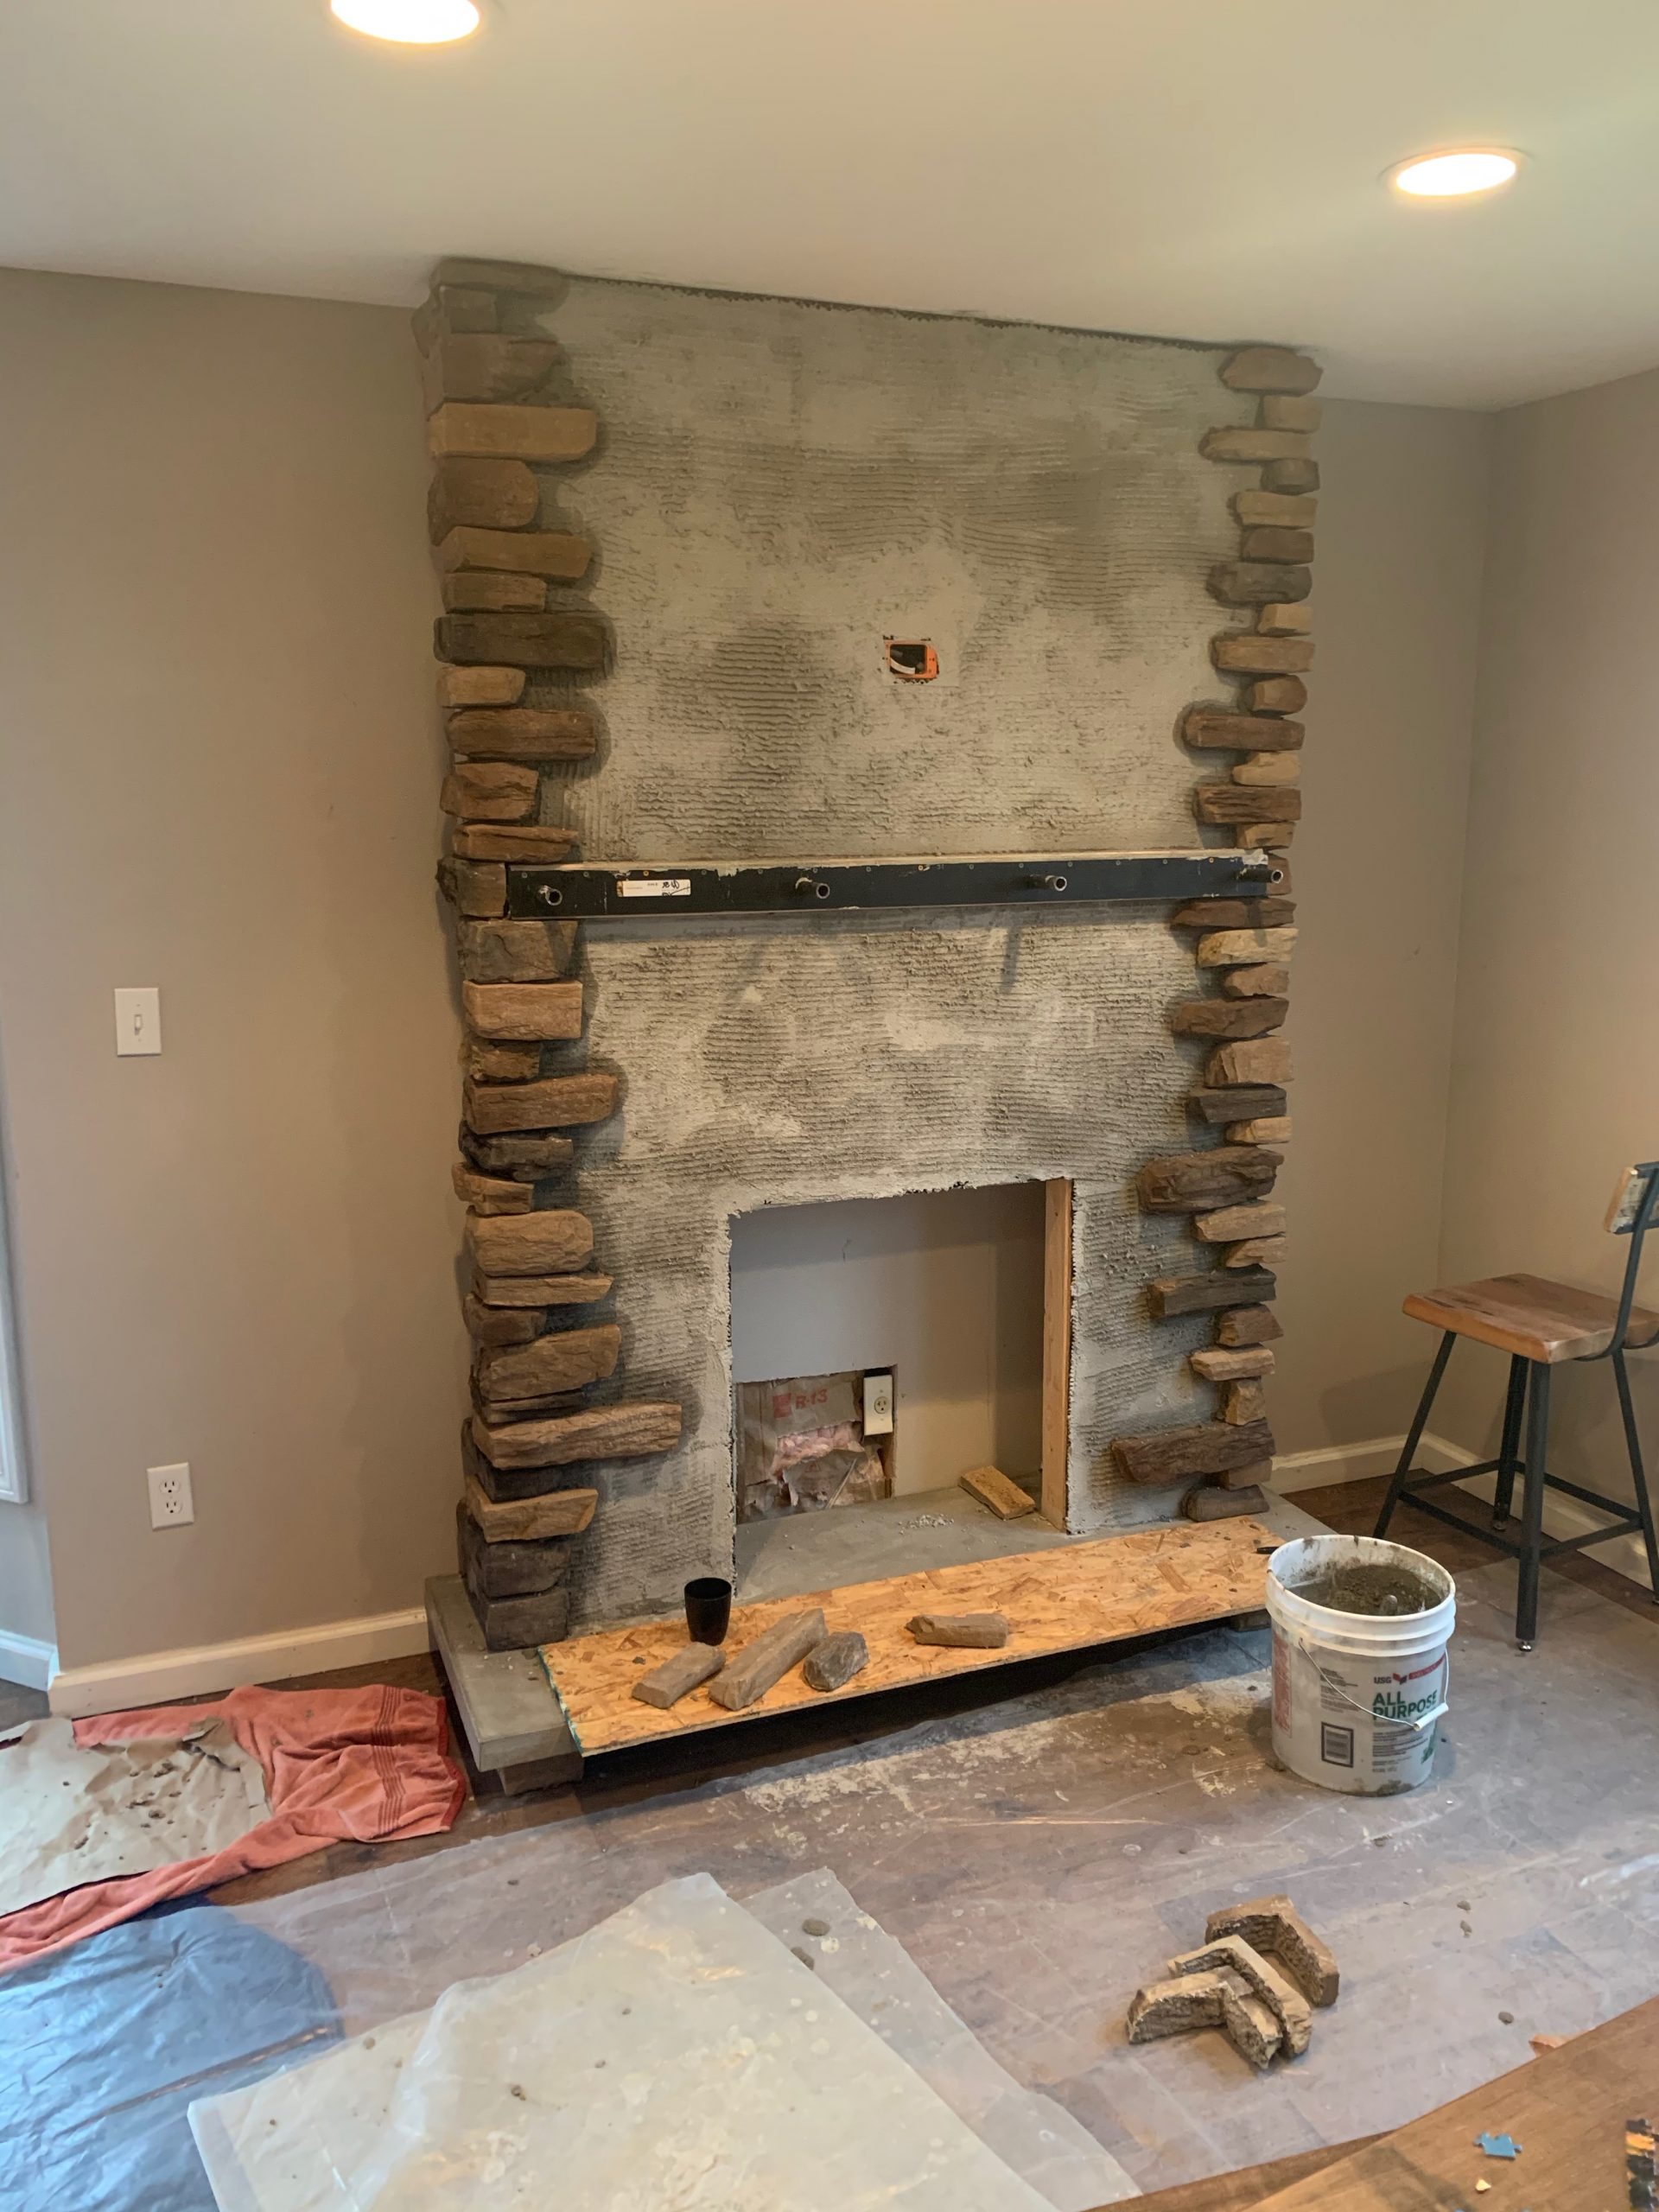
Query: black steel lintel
(630, 891)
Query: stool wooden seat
(1540, 1324)
(1532, 1317)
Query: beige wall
(1376, 870)
(220, 774)
(1555, 1078)
(220, 766)
(945, 1287)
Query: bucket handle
(1424, 1720)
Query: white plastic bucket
(1357, 1697)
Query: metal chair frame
(1529, 1395)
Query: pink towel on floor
(367, 1766)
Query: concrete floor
(1041, 1853)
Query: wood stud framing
(516, 645)
(1243, 949)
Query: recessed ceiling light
(1454, 176)
(409, 22)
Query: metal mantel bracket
(630, 891)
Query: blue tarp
(103, 2046)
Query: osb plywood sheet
(1062, 1600)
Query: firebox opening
(881, 1349)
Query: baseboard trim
(1353, 1463)
(156, 1677)
(1358, 1462)
(26, 1661)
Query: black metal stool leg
(1509, 1454)
(1638, 1473)
(1414, 1434)
(1526, 1607)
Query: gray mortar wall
(777, 485)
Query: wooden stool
(1540, 1325)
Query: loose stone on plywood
(692, 1666)
(836, 1661)
(752, 1671)
(961, 1631)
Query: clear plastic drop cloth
(676, 2055)
(872, 1973)
(392, 1940)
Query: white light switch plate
(137, 1020)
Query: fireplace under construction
(756, 581)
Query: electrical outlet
(170, 1503)
(878, 1405)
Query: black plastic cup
(708, 1608)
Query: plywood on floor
(1062, 1600)
(1567, 2109)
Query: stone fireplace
(733, 579)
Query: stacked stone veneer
(1225, 1191)
(673, 529)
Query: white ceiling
(1183, 167)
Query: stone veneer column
(516, 645)
(1245, 945)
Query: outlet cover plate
(171, 1505)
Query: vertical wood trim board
(1057, 1347)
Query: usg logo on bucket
(1395, 1704)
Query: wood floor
(1350, 1508)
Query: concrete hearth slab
(512, 1722)
(907, 1534)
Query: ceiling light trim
(411, 22)
(1454, 173)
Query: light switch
(138, 1019)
